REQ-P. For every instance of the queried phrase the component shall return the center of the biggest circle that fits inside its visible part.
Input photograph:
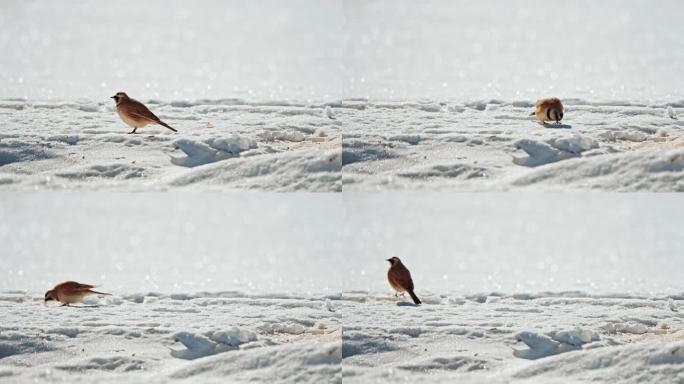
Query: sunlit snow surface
(204, 287)
(530, 287)
(495, 145)
(221, 145)
(433, 95)
(259, 286)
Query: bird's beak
(113, 97)
(390, 260)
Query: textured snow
(496, 145)
(516, 287)
(538, 338)
(151, 336)
(222, 144)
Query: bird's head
(119, 96)
(50, 295)
(393, 260)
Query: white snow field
(205, 287)
(516, 287)
(245, 87)
(495, 145)
(222, 145)
(444, 90)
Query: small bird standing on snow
(71, 292)
(548, 110)
(399, 278)
(135, 113)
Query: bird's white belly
(70, 299)
(132, 122)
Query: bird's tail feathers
(166, 125)
(415, 298)
(100, 293)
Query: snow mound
(290, 135)
(541, 153)
(211, 150)
(210, 343)
(289, 328)
(104, 171)
(16, 343)
(112, 364)
(296, 362)
(454, 363)
(654, 362)
(294, 171)
(361, 343)
(639, 171)
(627, 327)
(15, 151)
(553, 343)
(453, 171)
(358, 151)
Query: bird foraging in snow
(71, 292)
(135, 114)
(548, 110)
(399, 278)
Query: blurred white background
(320, 51)
(189, 242)
(517, 242)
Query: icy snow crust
(222, 144)
(202, 337)
(562, 337)
(495, 145)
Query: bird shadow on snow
(406, 304)
(557, 126)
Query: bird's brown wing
(140, 111)
(547, 103)
(74, 286)
(403, 278)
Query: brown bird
(71, 292)
(548, 110)
(399, 278)
(135, 113)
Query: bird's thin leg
(133, 131)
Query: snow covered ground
(529, 287)
(424, 96)
(497, 338)
(444, 90)
(204, 287)
(155, 337)
(221, 145)
(495, 145)
(245, 88)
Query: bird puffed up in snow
(400, 279)
(548, 110)
(71, 292)
(135, 114)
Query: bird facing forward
(71, 292)
(399, 278)
(135, 114)
(549, 110)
